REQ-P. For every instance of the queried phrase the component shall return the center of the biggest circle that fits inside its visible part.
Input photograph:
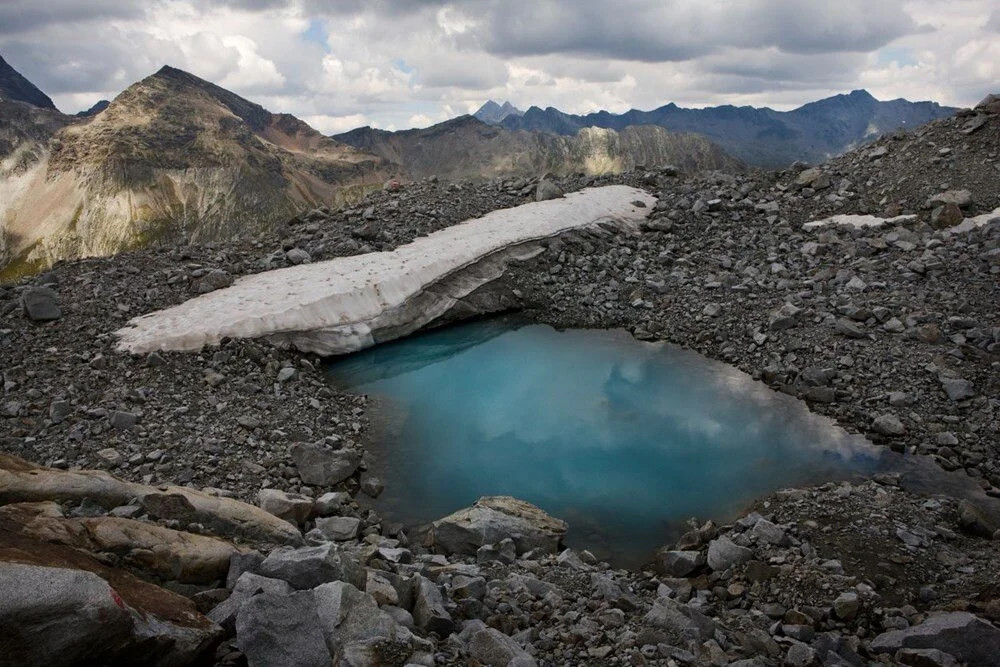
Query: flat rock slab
(349, 303)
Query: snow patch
(349, 303)
(857, 221)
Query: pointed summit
(15, 87)
(493, 113)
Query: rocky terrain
(172, 156)
(234, 527)
(467, 148)
(758, 136)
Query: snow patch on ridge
(873, 221)
(349, 303)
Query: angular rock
(681, 622)
(491, 648)
(888, 425)
(960, 634)
(723, 554)
(292, 507)
(339, 528)
(308, 567)
(428, 608)
(41, 304)
(322, 466)
(494, 518)
(678, 563)
(279, 629)
(975, 521)
(547, 190)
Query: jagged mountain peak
(13, 86)
(492, 112)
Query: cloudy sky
(394, 64)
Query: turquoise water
(621, 438)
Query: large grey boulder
(547, 190)
(360, 633)
(247, 586)
(678, 563)
(277, 629)
(294, 508)
(495, 518)
(428, 607)
(492, 648)
(681, 622)
(958, 633)
(68, 616)
(319, 465)
(309, 567)
(338, 528)
(723, 554)
(41, 304)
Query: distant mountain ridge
(15, 87)
(466, 147)
(173, 154)
(494, 113)
(758, 136)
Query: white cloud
(395, 63)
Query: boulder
(494, 518)
(723, 554)
(291, 507)
(357, 631)
(41, 304)
(319, 465)
(21, 481)
(282, 629)
(309, 567)
(213, 280)
(492, 648)
(974, 521)
(960, 634)
(547, 190)
(678, 563)
(888, 424)
(428, 608)
(960, 198)
(248, 585)
(681, 622)
(168, 554)
(338, 528)
(61, 607)
(946, 215)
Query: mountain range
(494, 113)
(758, 136)
(171, 155)
(175, 155)
(466, 147)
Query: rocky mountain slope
(465, 147)
(891, 329)
(172, 155)
(759, 136)
(494, 113)
(15, 87)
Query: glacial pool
(623, 439)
